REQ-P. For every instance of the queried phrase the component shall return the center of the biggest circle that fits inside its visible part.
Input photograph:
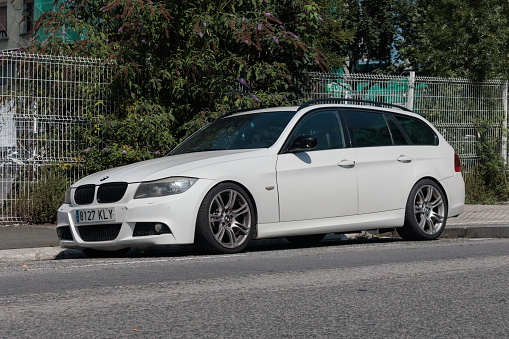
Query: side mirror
(303, 143)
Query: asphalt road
(391, 289)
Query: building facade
(17, 19)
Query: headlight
(168, 186)
(67, 196)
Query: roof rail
(346, 100)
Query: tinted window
(418, 131)
(397, 136)
(325, 126)
(259, 130)
(368, 129)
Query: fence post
(411, 83)
(504, 126)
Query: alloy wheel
(230, 218)
(429, 209)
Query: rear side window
(397, 135)
(418, 131)
(368, 129)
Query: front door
(320, 183)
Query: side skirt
(354, 223)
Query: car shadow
(283, 244)
(258, 245)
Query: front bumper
(134, 222)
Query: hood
(175, 165)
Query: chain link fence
(44, 100)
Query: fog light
(60, 232)
(143, 229)
(158, 228)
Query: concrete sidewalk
(27, 243)
(480, 221)
(24, 236)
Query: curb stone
(487, 231)
(29, 254)
(39, 254)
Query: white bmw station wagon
(328, 166)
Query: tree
(373, 22)
(456, 38)
(179, 64)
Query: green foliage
(374, 24)
(38, 202)
(456, 38)
(446, 38)
(183, 63)
(482, 188)
(121, 141)
(336, 35)
(487, 182)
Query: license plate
(95, 215)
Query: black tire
(425, 212)
(93, 253)
(306, 239)
(226, 220)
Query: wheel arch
(436, 182)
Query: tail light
(457, 163)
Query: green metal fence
(453, 106)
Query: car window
(398, 138)
(243, 131)
(418, 131)
(368, 129)
(325, 126)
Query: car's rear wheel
(226, 220)
(425, 213)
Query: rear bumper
(455, 190)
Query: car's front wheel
(226, 220)
(425, 213)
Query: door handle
(346, 163)
(404, 159)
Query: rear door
(384, 160)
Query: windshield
(258, 130)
